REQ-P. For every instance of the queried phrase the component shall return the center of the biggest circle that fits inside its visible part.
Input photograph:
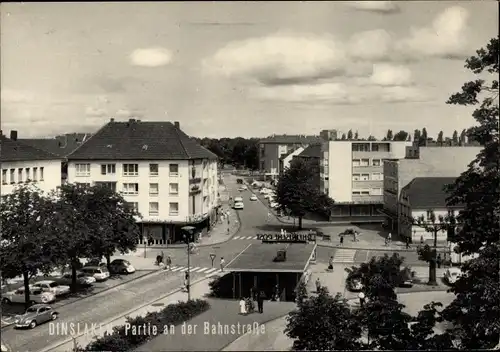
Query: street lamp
(188, 236)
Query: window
(356, 177)
(130, 188)
(365, 162)
(377, 176)
(376, 162)
(110, 185)
(356, 193)
(4, 176)
(356, 162)
(41, 173)
(153, 169)
(376, 192)
(12, 176)
(107, 169)
(27, 172)
(82, 170)
(130, 170)
(134, 205)
(19, 175)
(174, 188)
(429, 215)
(173, 209)
(153, 208)
(83, 184)
(173, 169)
(365, 193)
(374, 147)
(365, 177)
(153, 189)
(35, 174)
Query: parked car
(263, 191)
(238, 199)
(35, 315)
(95, 262)
(100, 273)
(253, 197)
(273, 205)
(52, 286)
(354, 284)
(81, 278)
(451, 275)
(241, 189)
(239, 205)
(244, 187)
(121, 266)
(36, 296)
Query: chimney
(177, 125)
(111, 120)
(13, 135)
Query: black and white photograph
(249, 176)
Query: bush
(173, 314)
(221, 287)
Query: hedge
(173, 314)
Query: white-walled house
(169, 178)
(22, 163)
(421, 197)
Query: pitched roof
(428, 192)
(60, 145)
(140, 140)
(291, 139)
(11, 150)
(312, 151)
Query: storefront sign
(286, 237)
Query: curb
(150, 272)
(109, 321)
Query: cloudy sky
(239, 69)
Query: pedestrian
(361, 297)
(389, 238)
(407, 242)
(260, 301)
(243, 306)
(269, 216)
(330, 263)
(341, 239)
(318, 285)
(422, 240)
(169, 263)
(439, 260)
(355, 236)
(222, 262)
(150, 240)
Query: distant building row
(372, 181)
(169, 178)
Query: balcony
(194, 180)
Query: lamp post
(188, 233)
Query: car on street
(239, 205)
(81, 278)
(100, 273)
(354, 284)
(238, 199)
(35, 315)
(244, 187)
(121, 266)
(52, 286)
(451, 275)
(253, 197)
(263, 191)
(241, 189)
(273, 205)
(36, 296)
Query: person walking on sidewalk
(330, 263)
(168, 263)
(222, 262)
(389, 238)
(341, 239)
(407, 242)
(260, 301)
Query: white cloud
(279, 57)
(370, 45)
(15, 96)
(375, 6)
(95, 112)
(445, 38)
(390, 75)
(127, 113)
(151, 57)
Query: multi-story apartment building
(272, 148)
(351, 174)
(421, 197)
(168, 177)
(21, 164)
(430, 161)
(312, 155)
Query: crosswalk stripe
(210, 270)
(177, 268)
(183, 270)
(344, 255)
(202, 270)
(195, 268)
(237, 237)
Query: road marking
(210, 270)
(177, 269)
(344, 256)
(195, 268)
(202, 270)
(237, 237)
(183, 270)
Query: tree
(423, 137)
(389, 135)
(343, 137)
(400, 136)
(454, 138)
(409, 138)
(29, 245)
(463, 137)
(349, 135)
(296, 193)
(474, 312)
(440, 138)
(113, 223)
(323, 323)
(356, 136)
(371, 138)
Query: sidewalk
(198, 290)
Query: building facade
(272, 148)
(312, 156)
(351, 174)
(170, 179)
(286, 159)
(445, 161)
(23, 164)
(422, 197)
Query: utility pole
(188, 281)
